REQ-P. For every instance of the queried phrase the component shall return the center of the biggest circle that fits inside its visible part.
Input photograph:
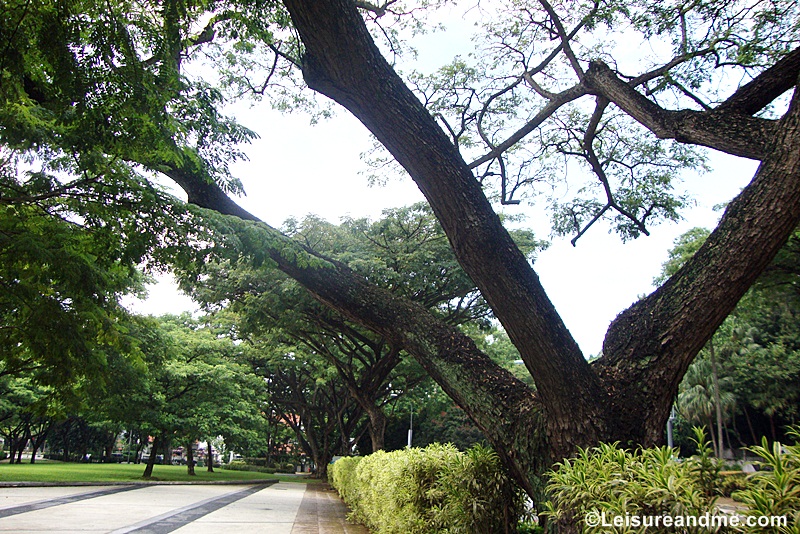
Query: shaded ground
(323, 512)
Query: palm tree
(697, 399)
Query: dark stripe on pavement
(41, 505)
(176, 519)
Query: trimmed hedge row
(243, 466)
(435, 489)
(239, 465)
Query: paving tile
(323, 512)
(284, 508)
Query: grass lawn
(49, 471)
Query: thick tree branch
(503, 407)
(344, 63)
(764, 88)
(655, 340)
(201, 192)
(732, 133)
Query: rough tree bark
(626, 395)
(342, 62)
(580, 406)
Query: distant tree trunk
(108, 449)
(377, 427)
(38, 440)
(320, 454)
(13, 443)
(717, 403)
(210, 455)
(138, 457)
(11, 448)
(84, 450)
(713, 436)
(322, 469)
(322, 466)
(167, 452)
(22, 438)
(151, 461)
(750, 425)
(190, 459)
(772, 429)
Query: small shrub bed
(435, 489)
(439, 489)
(258, 462)
(612, 481)
(776, 491)
(243, 466)
(287, 467)
(651, 482)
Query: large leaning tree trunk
(649, 347)
(342, 62)
(627, 394)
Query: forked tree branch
(726, 131)
(656, 339)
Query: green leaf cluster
(650, 482)
(619, 482)
(59, 311)
(192, 384)
(775, 491)
(87, 82)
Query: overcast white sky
(296, 169)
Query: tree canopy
(102, 93)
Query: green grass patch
(48, 471)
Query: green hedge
(239, 465)
(435, 489)
(287, 467)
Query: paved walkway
(283, 508)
